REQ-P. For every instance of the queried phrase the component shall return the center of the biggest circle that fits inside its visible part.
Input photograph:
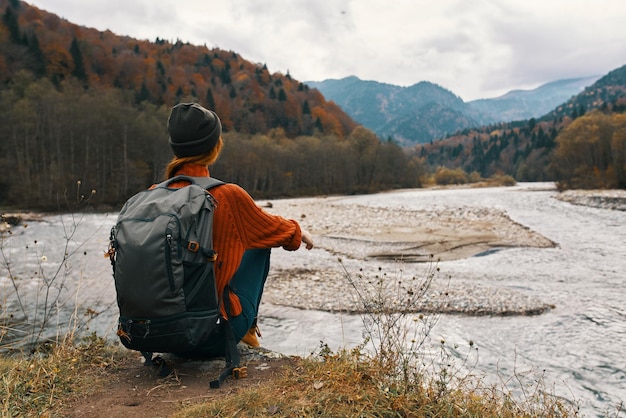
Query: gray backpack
(161, 250)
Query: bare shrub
(39, 285)
(447, 176)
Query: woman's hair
(203, 159)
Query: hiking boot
(251, 336)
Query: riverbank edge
(441, 303)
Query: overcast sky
(475, 48)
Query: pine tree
(10, 21)
(210, 101)
(77, 56)
(39, 64)
(144, 93)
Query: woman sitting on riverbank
(243, 233)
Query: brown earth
(130, 389)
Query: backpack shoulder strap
(207, 182)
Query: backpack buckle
(193, 246)
(240, 372)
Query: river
(578, 347)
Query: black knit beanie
(193, 129)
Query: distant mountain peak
(406, 115)
(574, 85)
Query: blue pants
(248, 283)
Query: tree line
(86, 110)
(585, 151)
(57, 145)
(520, 149)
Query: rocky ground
(605, 199)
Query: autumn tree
(590, 152)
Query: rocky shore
(604, 199)
(374, 243)
(335, 293)
(377, 242)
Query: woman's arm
(258, 228)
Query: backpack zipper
(168, 259)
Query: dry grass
(348, 384)
(343, 384)
(39, 384)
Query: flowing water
(578, 346)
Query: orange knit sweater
(239, 224)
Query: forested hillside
(86, 110)
(582, 143)
(247, 96)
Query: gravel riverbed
(357, 246)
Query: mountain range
(590, 126)
(426, 111)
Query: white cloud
(478, 48)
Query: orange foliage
(60, 62)
(31, 14)
(218, 64)
(165, 72)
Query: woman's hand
(307, 239)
